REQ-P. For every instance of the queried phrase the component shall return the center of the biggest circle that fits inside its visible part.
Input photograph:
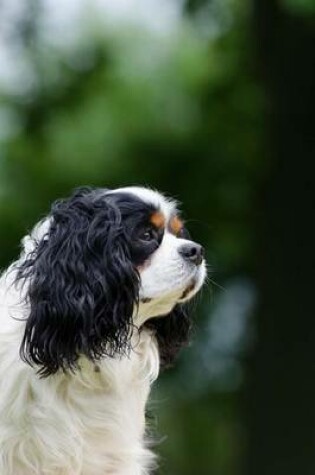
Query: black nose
(192, 252)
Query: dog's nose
(192, 252)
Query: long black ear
(82, 286)
(172, 333)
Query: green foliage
(304, 7)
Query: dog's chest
(110, 409)
(88, 423)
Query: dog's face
(103, 262)
(171, 266)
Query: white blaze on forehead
(166, 205)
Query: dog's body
(84, 322)
(90, 422)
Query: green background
(216, 112)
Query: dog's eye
(148, 234)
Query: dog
(92, 308)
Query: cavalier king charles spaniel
(89, 312)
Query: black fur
(172, 333)
(84, 283)
(83, 286)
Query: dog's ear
(81, 285)
(172, 332)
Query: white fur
(90, 422)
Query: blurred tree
(281, 393)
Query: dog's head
(103, 263)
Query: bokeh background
(211, 101)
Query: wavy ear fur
(172, 333)
(82, 286)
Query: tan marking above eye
(158, 220)
(176, 225)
